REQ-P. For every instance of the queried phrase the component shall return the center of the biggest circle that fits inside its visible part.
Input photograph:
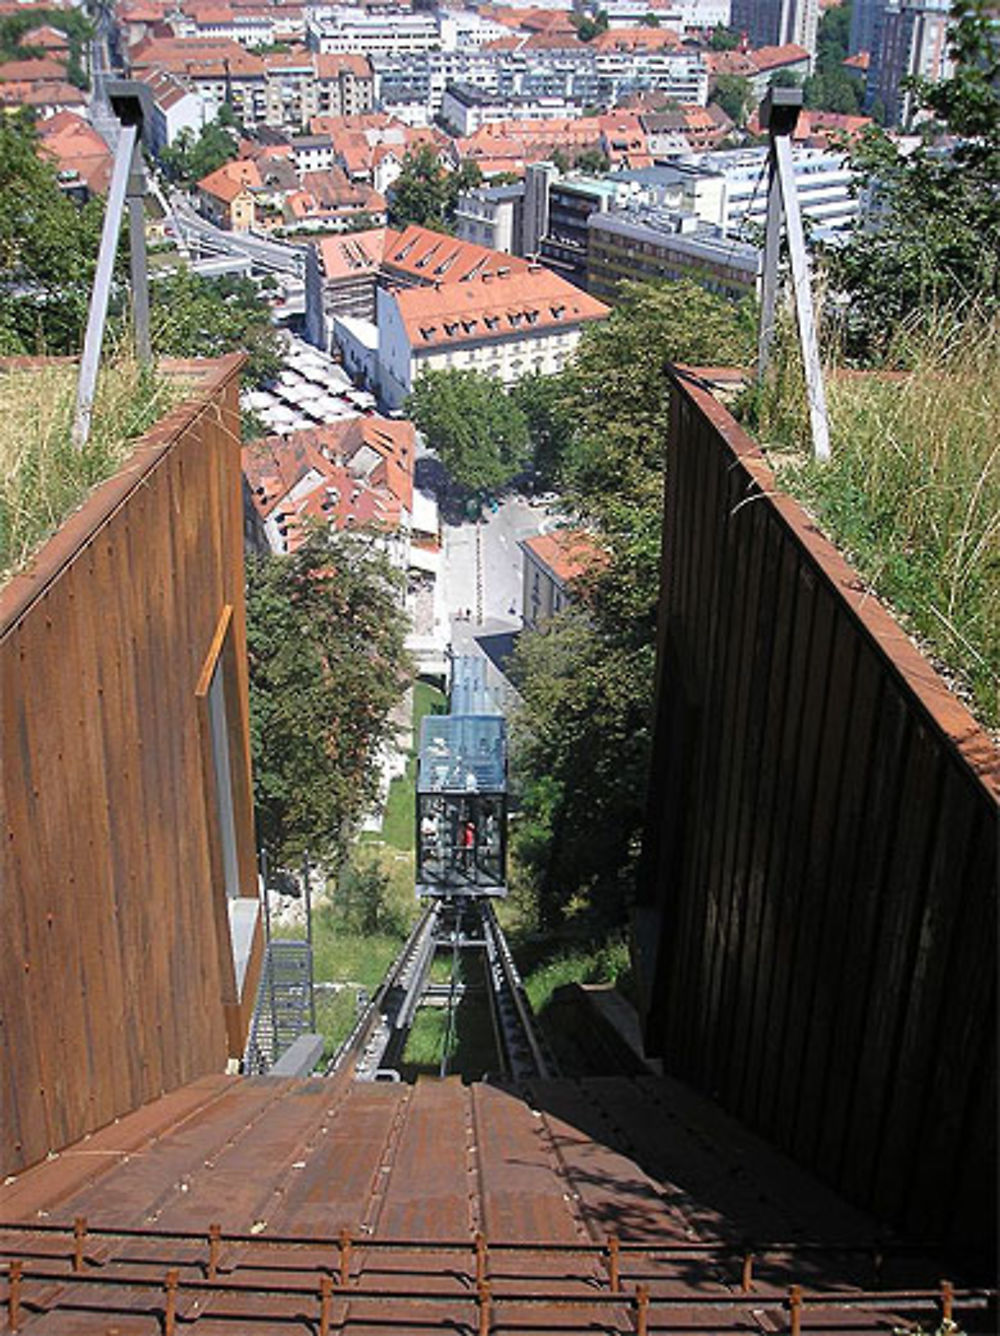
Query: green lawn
(399, 819)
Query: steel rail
(356, 1042)
(882, 1299)
(501, 962)
(681, 1249)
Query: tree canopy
(190, 158)
(72, 22)
(427, 193)
(194, 316)
(48, 249)
(478, 431)
(735, 96)
(581, 736)
(325, 633)
(830, 87)
(933, 236)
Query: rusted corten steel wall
(116, 973)
(817, 914)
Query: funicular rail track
(459, 926)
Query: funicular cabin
(462, 793)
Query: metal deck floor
(597, 1205)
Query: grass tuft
(43, 477)
(912, 493)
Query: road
(267, 255)
(483, 562)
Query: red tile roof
(349, 473)
(636, 39)
(494, 307)
(355, 254)
(774, 57)
(433, 257)
(231, 180)
(75, 146)
(565, 553)
(43, 70)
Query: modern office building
(654, 244)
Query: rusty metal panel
(822, 857)
(221, 1207)
(109, 988)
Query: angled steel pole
(802, 290)
(779, 113)
(101, 291)
(137, 254)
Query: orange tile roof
(493, 308)
(773, 57)
(47, 37)
(860, 61)
(329, 65)
(565, 553)
(74, 145)
(354, 254)
(231, 180)
(43, 70)
(433, 257)
(729, 62)
(362, 473)
(636, 39)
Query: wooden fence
(117, 979)
(817, 910)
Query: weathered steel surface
(819, 884)
(226, 1204)
(110, 984)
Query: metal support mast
(779, 113)
(127, 184)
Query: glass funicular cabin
(462, 803)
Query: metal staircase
(284, 1007)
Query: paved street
(482, 575)
(482, 563)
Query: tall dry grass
(43, 477)
(912, 493)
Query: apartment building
(492, 216)
(282, 90)
(466, 109)
(910, 41)
(172, 110)
(361, 32)
(502, 323)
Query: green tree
(427, 193)
(71, 22)
(735, 96)
(478, 431)
(193, 316)
(650, 20)
(581, 735)
(191, 158)
(420, 192)
(48, 249)
(543, 401)
(830, 87)
(325, 635)
(933, 236)
(723, 38)
(593, 160)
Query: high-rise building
(777, 22)
(865, 17)
(911, 39)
